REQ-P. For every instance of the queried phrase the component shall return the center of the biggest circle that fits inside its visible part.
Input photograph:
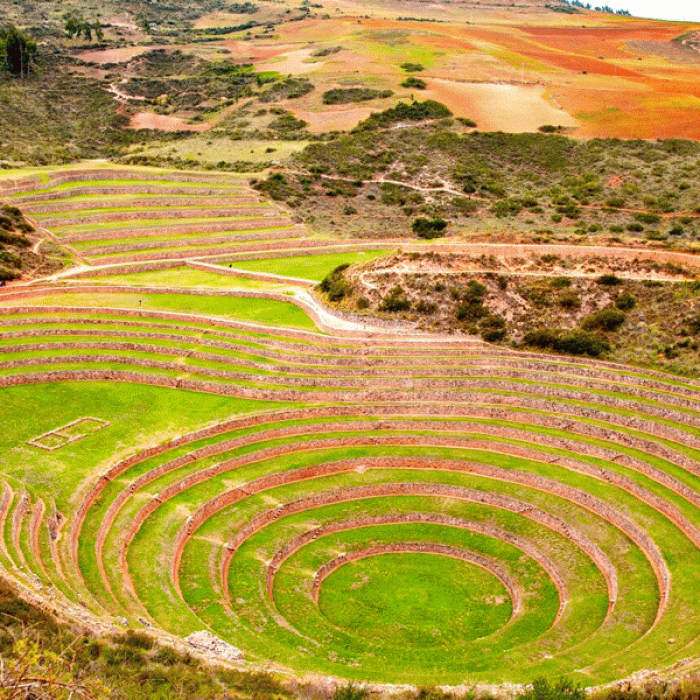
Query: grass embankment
(264, 311)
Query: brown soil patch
(509, 108)
(333, 120)
(293, 63)
(121, 55)
(162, 122)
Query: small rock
(206, 641)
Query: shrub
(413, 67)
(578, 342)
(615, 202)
(335, 285)
(287, 89)
(14, 239)
(326, 51)
(581, 342)
(426, 307)
(563, 689)
(570, 300)
(339, 96)
(609, 280)
(429, 228)
(167, 656)
(350, 692)
(625, 302)
(138, 640)
(561, 282)
(493, 328)
(399, 195)
(124, 656)
(414, 83)
(6, 275)
(415, 112)
(541, 338)
(507, 207)
(635, 227)
(472, 307)
(287, 122)
(363, 303)
(645, 218)
(464, 206)
(395, 301)
(475, 292)
(607, 319)
(467, 122)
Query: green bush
(607, 319)
(472, 307)
(464, 206)
(493, 328)
(138, 640)
(414, 112)
(414, 83)
(412, 67)
(350, 692)
(475, 292)
(335, 285)
(645, 218)
(561, 282)
(615, 202)
(625, 302)
(426, 307)
(578, 342)
(340, 96)
(287, 89)
(570, 300)
(15, 239)
(429, 228)
(167, 656)
(395, 301)
(563, 689)
(609, 280)
(6, 275)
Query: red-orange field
(570, 59)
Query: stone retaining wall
(522, 543)
(547, 520)
(212, 226)
(183, 211)
(486, 563)
(87, 175)
(372, 380)
(228, 238)
(164, 200)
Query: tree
(77, 25)
(17, 51)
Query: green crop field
(185, 449)
(349, 351)
(313, 267)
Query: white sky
(660, 9)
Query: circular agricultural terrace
(416, 510)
